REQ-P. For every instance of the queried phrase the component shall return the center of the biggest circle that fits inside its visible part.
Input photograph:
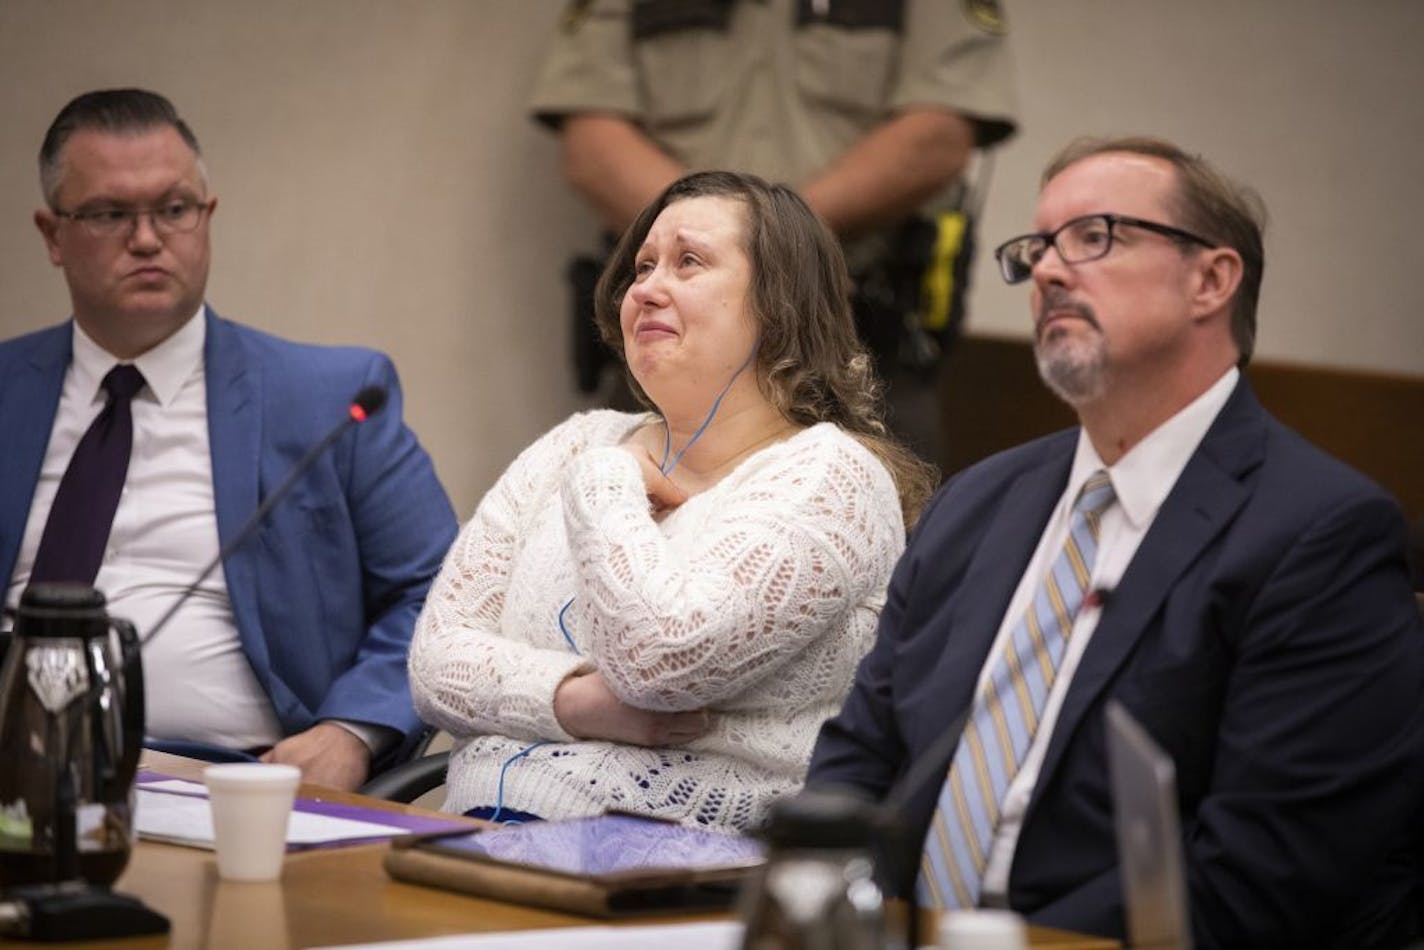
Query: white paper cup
(982, 930)
(251, 802)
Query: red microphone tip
(358, 413)
(1096, 598)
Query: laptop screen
(1149, 839)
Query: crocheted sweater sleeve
(777, 554)
(468, 675)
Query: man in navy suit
(1242, 594)
(296, 650)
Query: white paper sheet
(716, 935)
(183, 819)
(182, 786)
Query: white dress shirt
(1142, 480)
(198, 682)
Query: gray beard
(1076, 372)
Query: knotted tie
(1005, 716)
(72, 546)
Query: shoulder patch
(987, 15)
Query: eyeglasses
(1082, 239)
(172, 217)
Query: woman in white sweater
(655, 612)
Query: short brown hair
(809, 362)
(117, 111)
(1210, 204)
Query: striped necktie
(1005, 715)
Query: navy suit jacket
(1264, 634)
(326, 593)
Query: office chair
(404, 781)
(409, 780)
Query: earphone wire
(563, 628)
(665, 466)
(499, 792)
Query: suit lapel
(234, 435)
(1204, 501)
(27, 412)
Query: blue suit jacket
(1264, 633)
(326, 593)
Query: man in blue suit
(296, 650)
(1242, 594)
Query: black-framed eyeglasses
(172, 217)
(1082, 239)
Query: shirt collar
(1144, 476)
(165, 368)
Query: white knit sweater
(754, 599)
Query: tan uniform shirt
(767, 94)
(781, 89)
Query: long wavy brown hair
(810, 364)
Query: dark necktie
(72, 546)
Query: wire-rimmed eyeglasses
(172, 217)
(1082, 239)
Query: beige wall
(377, 182)
(1316, 103)
(380, 185)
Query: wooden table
(331, 896)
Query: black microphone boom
(933, 763)
(368, 402)
(897, 846)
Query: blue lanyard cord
(563, 628)
(499, 793)
(665, 466)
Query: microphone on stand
(367, 403)
(71, 908)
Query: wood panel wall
(1373, 421)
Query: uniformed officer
(871, 108)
